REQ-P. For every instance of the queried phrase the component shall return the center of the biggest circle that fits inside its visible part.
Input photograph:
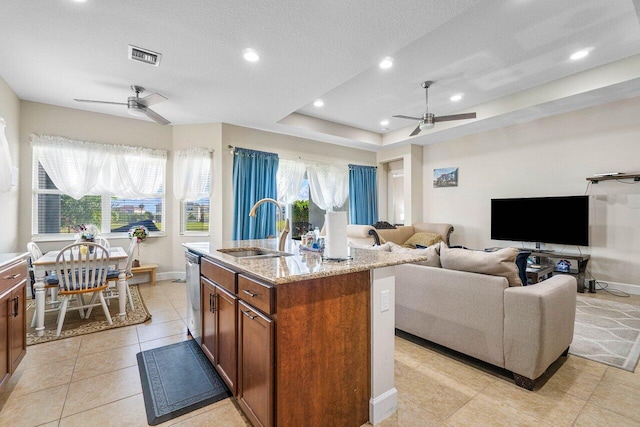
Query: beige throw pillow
(432, 253)
(423, 239)
(498, 263)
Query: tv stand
(582, 260)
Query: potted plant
(140, 234)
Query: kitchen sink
(253, 253)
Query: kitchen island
(300, 340)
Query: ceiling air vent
(144, 55)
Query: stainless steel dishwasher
(194, 318)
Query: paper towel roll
(335, 243)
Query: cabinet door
(255, 370)
(17, 325)
(4, 328)
(209, 326)
(227, 337)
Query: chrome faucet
(285, 230)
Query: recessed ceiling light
(579, 54)
(318, 103)
(251, 55)
(384, 122)
(386, 63)
(456, 98)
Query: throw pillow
(521, 263)
(498, 263)
(423, 239)
(432, 253)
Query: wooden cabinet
(220, 330)
(302, 349)
(256, 369)
(13, 318)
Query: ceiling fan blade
(408, 117)
(100, 102)
(149, 100)
(463, 116)
(415, 131)
(155, 116)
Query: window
(195, 216)
(305, 215)
(57, 213)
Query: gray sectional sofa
(520, 328)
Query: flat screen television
(561, 220)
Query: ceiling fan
(429, 119)
(137, 106)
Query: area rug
(607, 332)
(74, 326)
(177, 379)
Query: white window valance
(80, 168)
(289, 178)
(328, 185)
(5, 160)
(192, 174)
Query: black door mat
(177, 379)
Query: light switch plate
(384, 301)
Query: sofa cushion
(498, 263)
(384, 248)
(432, 253)
(423, 239)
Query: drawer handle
(252, 295)
(246, 313)
(16, 307)
(12, 276)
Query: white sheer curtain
(289, 178)
(5, 160)
(80, 168)
(192, 174)
(328, 184)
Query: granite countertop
(302, 265)
(10, 257)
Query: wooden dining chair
(112, 277)
(50, 282)
(82, 272)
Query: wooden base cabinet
(219, 331)
(255, 375)
(13, 318)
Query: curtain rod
(231, 147)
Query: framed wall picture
(445, 177)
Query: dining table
(117, 257)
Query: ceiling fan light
(136, 111)
(426, 125)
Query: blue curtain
(254, 178)
(363, 195)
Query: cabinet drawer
(257, 294)
(12, 275)
(218, 274)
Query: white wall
(10, 111)
(551, 156)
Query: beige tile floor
(93, 380)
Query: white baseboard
(383, 406)
(165, 275)
(624, 287)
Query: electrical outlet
(384, 301)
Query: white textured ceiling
(506, 57)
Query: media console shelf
(582, 259)
(597, 179)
